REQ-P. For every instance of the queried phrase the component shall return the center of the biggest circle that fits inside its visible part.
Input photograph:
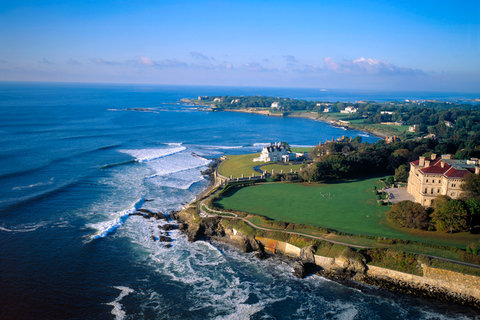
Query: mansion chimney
(433, 156)
(421, 161)
(477, 170)
(427, 163)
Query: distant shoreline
(293, 114)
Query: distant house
(217, 100)
(387, 112)
(276, 105)
(349, 110)
(448, 123)
(327, 110)
(412, 128)
(275, 152)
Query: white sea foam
(176, 163)
(117, 219)
(34, 185)
(299, 146)
(181, 180)
(178, 144)
(142, 155)
(363, 135)
(220, 147)
(24, 227)
(117, 306)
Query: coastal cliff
(347, 267)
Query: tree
(408, 214)
(449, 214)
(401, 173)
(473, 206)
(471, 186)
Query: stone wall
(454, 281)
(450, 281)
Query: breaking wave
(117, 306)
(142, 155)
(117, 220)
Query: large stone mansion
(431, 177)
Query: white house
(327, 110)
(276, 105)
(349, 110)
(275, 152)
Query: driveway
(399, 194)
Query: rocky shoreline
(346, 270)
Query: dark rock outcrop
(168, 227)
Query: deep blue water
(74, 163)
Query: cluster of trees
(286, 104)
(449, 215)
(444, 119)
(354, 158)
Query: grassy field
(243, 164)
(238, 165)
(349, 207)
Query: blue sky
(386, 45)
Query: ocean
(75, 162)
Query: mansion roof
(449, 168)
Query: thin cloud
(364, 66)
(145, 61)
(45, 61)
(200, 56)
(289, 58)
(73, 62)
(105, 62)
(171, 63)
(257, 67)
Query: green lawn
(243, 164)
(349, 207)
(393, 128)
(238, 165)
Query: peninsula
(360, 234)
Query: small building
(275, 152)
(217, 100)
(432, 177)
(387, 112)
(349, 110)
(412, 128)
(327, 110)
(276, 105)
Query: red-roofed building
(430, 178)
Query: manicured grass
(393, 128)
(238, 165)
(279, 167)
(243, 164)
(348, 207)
(300, 149)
